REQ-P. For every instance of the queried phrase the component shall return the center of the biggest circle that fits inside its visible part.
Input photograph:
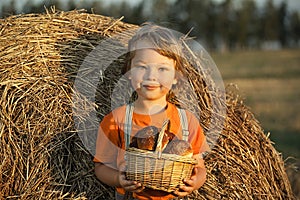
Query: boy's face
(152, 74)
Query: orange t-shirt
(110, 144)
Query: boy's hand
(130, 186)
(194, 183)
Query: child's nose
(151, 74)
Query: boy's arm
(113, 177)
(107, 174)
(200, 173)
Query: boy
(153, 67)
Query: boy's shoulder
(119, 109)
(117, 114)
(175, 108)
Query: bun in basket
(179, 147)
(146, 138)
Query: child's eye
(141, 67)
(162, 69)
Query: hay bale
(42, 154)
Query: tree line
(226, 25)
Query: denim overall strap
(127, 133)
(184, 123)
(128, 124)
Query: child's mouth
(150, 85)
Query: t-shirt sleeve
(196, 138)
(108, 141)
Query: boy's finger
(122, 167)
(195, 170)
(180, 194)
(129, 184)
(188, 182)
(138, 188)
(133, 187)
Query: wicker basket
(156, 170)
(161, 172)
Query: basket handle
(158, 148)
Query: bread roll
(146, 138)
(179, 147)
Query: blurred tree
(71, 5)
(198, 18)
(137, 14)
(222, 25)
(225, 25)
(295, 29)
(158, 11)
(97, 7)
(118, 10)
(195, 15)
(9, 8)
(58, 4)
(32, 7)
(179, 14)
(246, 23)
(282, 20)
(39, 7)
(210, 25)
(270, 23)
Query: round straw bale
(42, 153)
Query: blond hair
(160, 39)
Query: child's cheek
(166, 85)
(136, 84)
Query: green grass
(259, 64)
(269, 82)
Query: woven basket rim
(164, 156)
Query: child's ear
(175, 81)
(128, 75)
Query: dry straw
(42, 156)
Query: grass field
(269, 82)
